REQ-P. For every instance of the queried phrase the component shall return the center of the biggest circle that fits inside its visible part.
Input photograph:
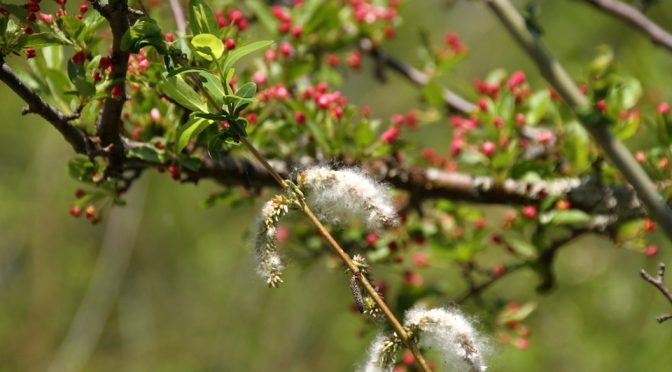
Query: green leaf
(215, 146)
(148, 153)
(247, 93)
(44, 39)
(208, 46)
(433, 93)
(565, 217)
(538, 103)
(263, 14)
(241, 52)
(516, 314)
(211, 83)
(81, 168)
(522, 247)
(201, 18)
(178, 89)
(190, 130)
(630, 91)
(145, 31)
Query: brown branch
(453, 101)
(658, 283)
(636, 18)
(37, 105)
(116, 12)
(544, 264)
(476, 290)
(595, 123)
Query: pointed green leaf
(211, 83)
(176, 88)
(201, 18)
(190, 130)
(241, 52)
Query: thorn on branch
(660, 285)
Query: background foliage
(190, 299)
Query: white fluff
(450, 332)
(341, 195)
(264, 241)
(374, 360)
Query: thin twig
(636, 18)
(658, 283)
(396, 325)
(558, 77)
(179, 16)
(58, 119)
(453, 101)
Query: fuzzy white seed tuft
(380, 357)
(264, 240)
(450, 332)
(340, 195)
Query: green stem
(558, 77)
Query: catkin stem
(396, 325)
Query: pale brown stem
(396, 325)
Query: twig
(58, 119)
(658, 283)
(475, 290)
(636, 18)
(453, 101)
(544, 264)
(116, 12)
(558, 77)
(396, 325)
(179, 16)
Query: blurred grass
(190, 300)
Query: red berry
(408, 358)
(488, 148)
(522, 343)
(83, 8)
(651, 251)
(79, 58)
(663, 108)
(75, 211)
(530, 211)
(116, 91)
(499, 270)
(285, 49)
(355, 59)
(601, 105)
(371, 238)
(169, 37)
(230, 44)
(390, 135)
(300, 117)
(420, 259)
(31, 53)
(79, 193)
(90, 212)
(174, 171)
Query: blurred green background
(175, 284)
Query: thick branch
(453, 101)
(37, 105)
(109, 126)
(556, 75)
(658, 283)
(632, 15)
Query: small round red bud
(169, 37)
(300, 117)
(75, 211)
(83, 8)
(530, 211)
(601, 105)
(30, 53)
(230, 44)
(663, 108)
(116, 91)
(488, 148)
(90, 212)
(651, 251)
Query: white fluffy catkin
(450, 332)
(376, 356)
(264, 240)
(340, 195)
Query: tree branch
(556, 75)
(116, 12)
(59, 120)
(453, 101)
(636, 18)
(658, 283)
